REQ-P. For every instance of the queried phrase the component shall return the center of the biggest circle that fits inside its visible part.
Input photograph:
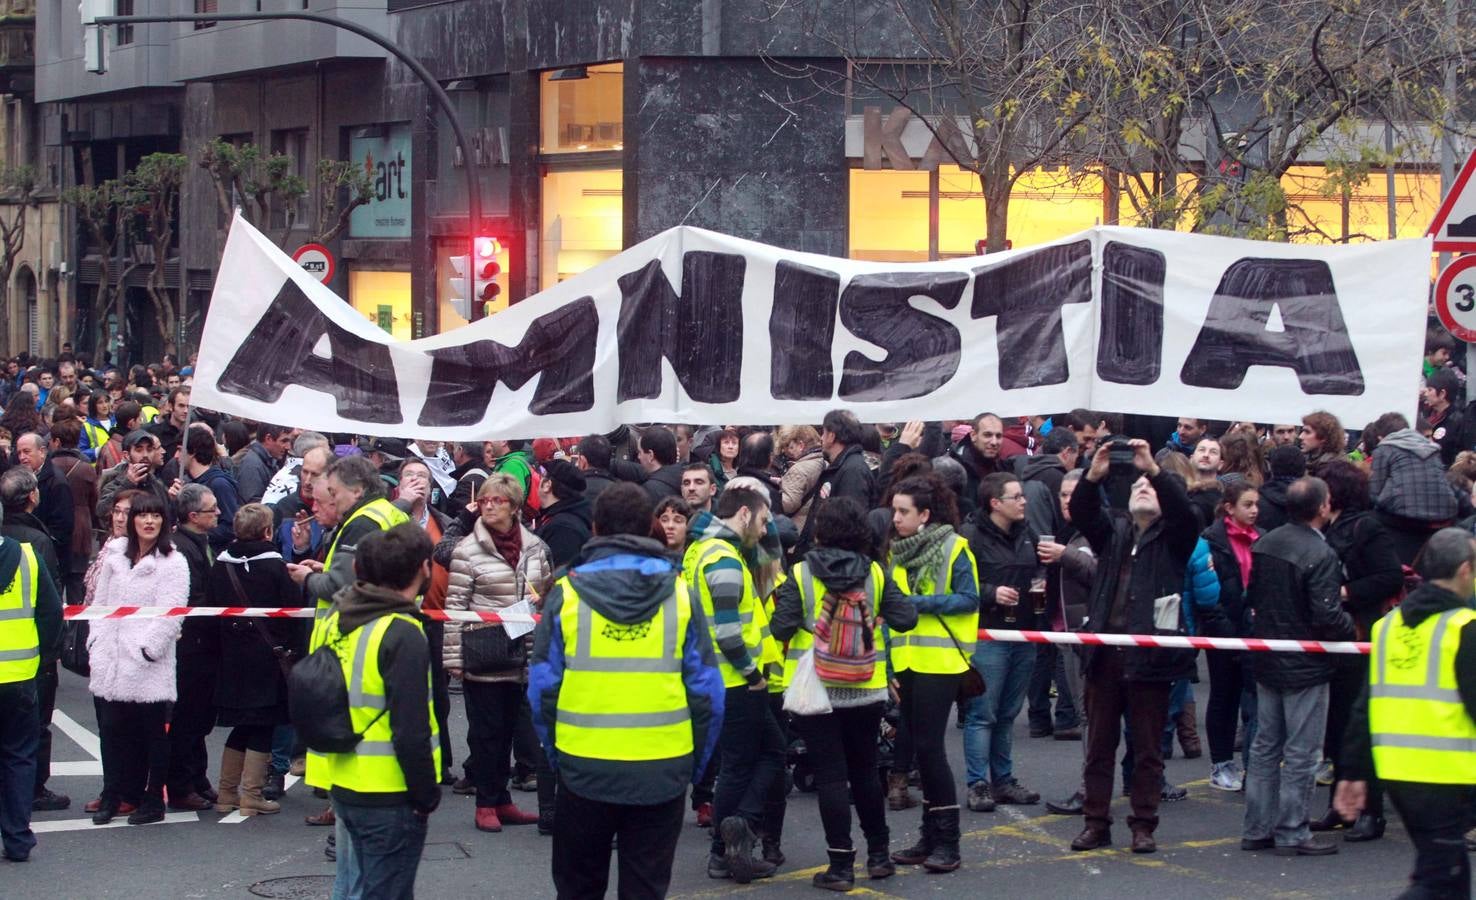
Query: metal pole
(473, 192)
(1447, 144)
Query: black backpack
(318, 702)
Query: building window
(124, 34)
(206, 6)
(293, 144)
(383, 298)
(918, 216)
(582, 216)
(1319, 212)
(582, 109)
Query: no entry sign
(316, 260)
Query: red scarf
(509, 545)
(1241, 537)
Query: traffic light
(487, 269)
(460, 298)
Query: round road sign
(316, 261)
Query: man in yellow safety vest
(1415, 728)
(627, 701)
(386, 787)
(30, 620)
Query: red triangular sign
(1454, 228)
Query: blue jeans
(283, 737)
(989, 720)
(387, 841)
(346, 869)
(1178, 699)
(1283, 763)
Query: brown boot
(898, 797)
(226, 797)
(1188, 729)
(253, 779)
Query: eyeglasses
(494, 501)
(1012, 498)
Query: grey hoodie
(1408, 479)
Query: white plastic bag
(806, 694)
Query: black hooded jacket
(838, 570)
(1006, 559)
(565, 529)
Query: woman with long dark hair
(1372, 579)
(933, 564)
(132, 659)
(841, 745)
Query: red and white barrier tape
(85, 613)
(1172, 642)
(1066, 638)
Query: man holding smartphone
(138, 471)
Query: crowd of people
(706, 597)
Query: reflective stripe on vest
(1417, 721)
(750, 612)
(622, 696)
(20, 642)
(812, 593)
(928, 648)
(97, 435)
(372, 767)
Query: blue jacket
(223, 486)
(1201, 595)
(625, 578)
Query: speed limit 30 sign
(1455, 298)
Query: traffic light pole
(473, 193)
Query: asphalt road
(1019, 850)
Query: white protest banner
(693, 326)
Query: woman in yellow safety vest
(931, 562)
(841, 745)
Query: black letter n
(700, 332)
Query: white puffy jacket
(132, 659)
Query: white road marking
(174, 818)
(90, 768)
(79, 735)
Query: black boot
(878, 861)
(944, 857)
(1367, 828)
(841, 875)
(914, 855)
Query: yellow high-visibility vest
(750, 611)
(622, 695)
(928, 648)
(372, 767)
(20, 643)
(812, 592)
(380, 511)
(1419, 725)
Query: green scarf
(922, 554)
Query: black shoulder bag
(972, 684)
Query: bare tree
(153, 188)
(104, 212)
(270, 195)
(1016, 73)
(1260, 85)
(18, 189)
